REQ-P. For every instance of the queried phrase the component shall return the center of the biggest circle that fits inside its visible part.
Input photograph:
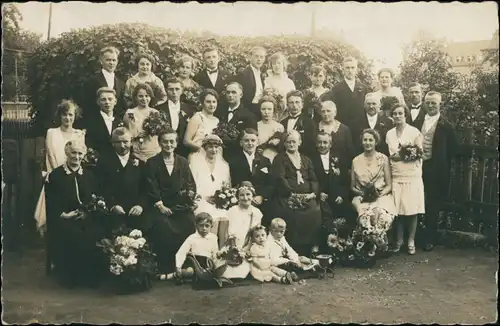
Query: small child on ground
(282, 254)
(199, 246)
(261, 268)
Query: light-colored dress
(393, 91)
(266, 131)
(206, 126)
(54, 157)
(152, 80)
(143, 146)
(407, 183)
(207, 182)
(281, 85)
(366, 174)
(261, 254)
(240, 223)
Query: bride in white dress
(210, 171)
(55, 141)
(202, 123)
(278, 83)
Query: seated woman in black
(72, 234)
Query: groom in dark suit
(373, 119)
(123, 183)
(177, 112)
(348, 95)
(100, 125)
(252, 80)
(233, 111)
(439, 145)
(212, 76)
(106, 77)
(296, 120)
(247, 164)
(417, 112)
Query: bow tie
(415, 107)
(108, 118)
(211, 72)
(295, 117)
(232, 110)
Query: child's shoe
(294, 277)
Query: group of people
(328, 155)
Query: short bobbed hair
(372, 132)
(68, 105)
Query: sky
(378, 29)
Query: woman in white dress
(242, 218)
(269, 129)
(210, 171)
(202, 123)
(145, 75)
(278, 83)
(407, 183)
(144, 146)
(67, 112)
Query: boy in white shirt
(282, 254)
(200, 246)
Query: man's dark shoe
(429, 247)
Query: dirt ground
(444, 286)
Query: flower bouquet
(95, 205)
(130, 260)
(312, 103)
(231, 253)
(155, 123)
(192, 96)
(91, 157)
(297, 201)
(334, 166)
(274, 141)
(187, 200)
(227, 132)
(225, 197)
(370, 193)
(410, 153)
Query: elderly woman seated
(73, 231)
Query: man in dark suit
(212, 76)
(248, 165)
(123, 183)
(439, 145)
(252, 80)
(348, 95)
(232, 111)
(332, 173)
(300, 122)
(177, 112)
(106, 77)
(417, 113)
(100, 125)
(373, 119)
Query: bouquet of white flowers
(130, 259)
(225, 197)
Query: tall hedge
(60, 67)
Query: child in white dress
(261, 268)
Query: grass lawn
(444, 286)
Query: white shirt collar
(107, 73)
(372, 120)
(350, 83)
(327, 154)
(255, 70)
(249, 156)
(124, 159)
(432, 118)
(173, 105)
(106, 117)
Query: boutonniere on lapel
(185, 116)
(333, 165)
(135, 161)
(120, 124)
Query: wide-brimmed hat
(211, 140)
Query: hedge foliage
(61, 66)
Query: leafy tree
(60, 66)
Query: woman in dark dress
(294, 173)
(72, 234)
(168, 174)
(341, 134)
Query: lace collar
(68, 170)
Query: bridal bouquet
(91, 157)
(155, 123)
(187, 200)
(226, 131)
(130, 259)
(225, 197)
(297, 201)
(410, 153)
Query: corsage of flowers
(333, 166)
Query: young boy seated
(282, 254)
(196, 249)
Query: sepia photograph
(250, 162)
